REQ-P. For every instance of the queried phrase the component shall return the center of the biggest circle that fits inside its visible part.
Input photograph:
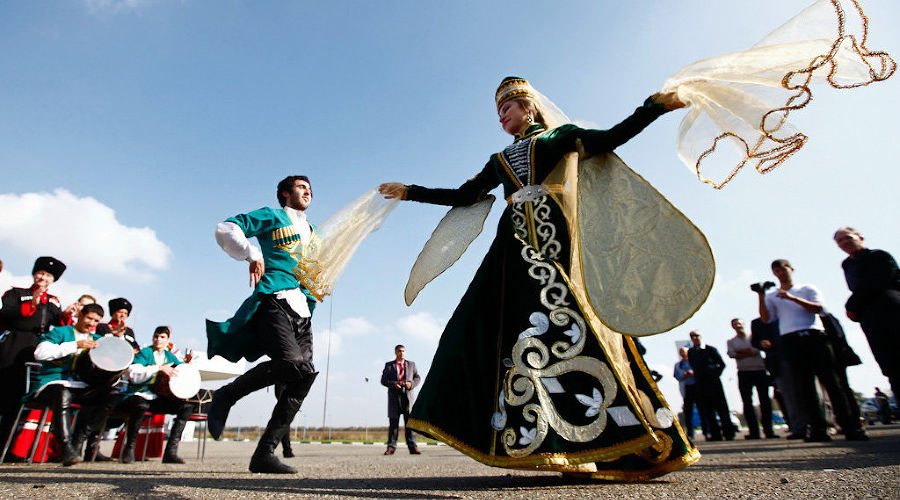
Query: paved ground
(738, 469)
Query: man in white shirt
(275, 320)
(808, 352)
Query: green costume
(283, 257)
(529, 372)
(145, 357)
(62, 368)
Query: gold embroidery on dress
(532, 370)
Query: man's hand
(188, 356)
(766, 344)
(257, 269)
(784, 294)
(409, 385)
(852, 316)
(86, 344)
(690, 373)
(168, 370)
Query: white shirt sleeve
(139, 374)
(48, 351)
(230, 237)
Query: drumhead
(112, 354)
(187, 383)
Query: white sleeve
(770, 306)
(48, 351)
(139, 373)
(230, 237)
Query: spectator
(70, 315)
(884, 406)
(708, 367)
(688, 386)
(400, 377)
(751, 370)
(874, 279)
(26, 314)
(119, 310)
(808, 352)
(765, 336)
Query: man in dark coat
(708, 366)
(874, 279)
(401, 378)
(26, 314)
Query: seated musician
(119, 311)
(148, 364)
(59, 386)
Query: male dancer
(274, 320)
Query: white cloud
(422, 326)
(81, 232)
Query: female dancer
(529, 372)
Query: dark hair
(92, 308)
(287, 184)
(781, 263)
(163, 329)
(398, 346)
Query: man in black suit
(708, 366)
(400, 377)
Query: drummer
(59, 386)
(148, 364)
(119, 311)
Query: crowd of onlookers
(35, 329)
(795, 343)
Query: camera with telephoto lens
(761, 287)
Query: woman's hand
(393, 190)
(669, 100)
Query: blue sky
(128, 129)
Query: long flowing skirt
(526, 376)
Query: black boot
(131, 434)
(92, 449)
(170, 456)
(264, 459)
(286, 449)
(60, 426)
(225, 397)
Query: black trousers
(712, 401)
(810, 355)
(747, 380)
(137, 406)
(96, 403)
(687, 408)
(287, 339)
(394, 424)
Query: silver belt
(528, 193)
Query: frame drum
(106, 362)
(184, 385)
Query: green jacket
(144, 357)
(282, 253)
(61, 368)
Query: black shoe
(773, 436)
(415, 451)
(288, 453)
(172, 458)
(269, 464)
(856, 435)
(218, 414)
(70, 457)
(389, 451)
(100, 457)
(796, 436)
(751, 436)
(818, 437)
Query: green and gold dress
(532, 371)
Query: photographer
(808, 352)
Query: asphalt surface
(738, 469)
